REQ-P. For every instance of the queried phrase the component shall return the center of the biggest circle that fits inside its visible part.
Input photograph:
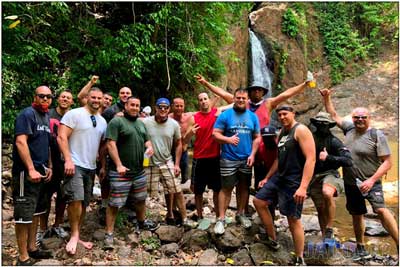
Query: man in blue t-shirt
(238, 130)
(31, 169)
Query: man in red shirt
(206, 151)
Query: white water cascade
(260, 73)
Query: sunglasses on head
(42, 96)
(93, 118)
(360, 117)
(163, 107)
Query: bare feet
(87, 245)
(71, 245)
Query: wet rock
(261, 253)
(99, 234)
(168, 233)
(48, 262)
(242, 257)
(52, 243)
(209, 257)
(230, 240)
(169, 249)
(310, 223)
(195, 240)
(374, 228)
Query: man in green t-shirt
(127, 140)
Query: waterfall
(260, 73)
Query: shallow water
(343, 221)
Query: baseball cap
(268, 131)
(162, 100)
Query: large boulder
(209, 257)
(168, 233)
(195, 240)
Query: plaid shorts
(163, 173)
(126, 186)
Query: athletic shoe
(243, 221)
(108, 241)
(28, 262)
(219, 227)
(361, 254)
(299, 262)
(148, 225)
(266, 240)
(40, 254)
(60, 232)
(329, 233)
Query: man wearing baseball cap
(165, 134)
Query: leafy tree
(154, 48)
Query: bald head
(43, 89)
(361, 119)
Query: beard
(239, 109)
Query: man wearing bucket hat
(263, 108)
(326, 183)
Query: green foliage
(62, 44)
(152, 242)
(290, 23)
(343, 42)
(121, 220)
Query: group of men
(61, 151)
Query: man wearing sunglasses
(326, 183)
(81, 134)
(371, 160)
(31, 169)
(64, 102)
(165, 134)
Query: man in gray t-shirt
(371, 157)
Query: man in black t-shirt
(31, 169)
(64, 103)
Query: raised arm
(228, 97)
(326, 95)
(273, 102)
(85, 90)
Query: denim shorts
(355, 201)
(29, 198)
(279, 191)
(79, 186)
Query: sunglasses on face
(42, 96)
(360, 117)
(163, 107)
(93, 118)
